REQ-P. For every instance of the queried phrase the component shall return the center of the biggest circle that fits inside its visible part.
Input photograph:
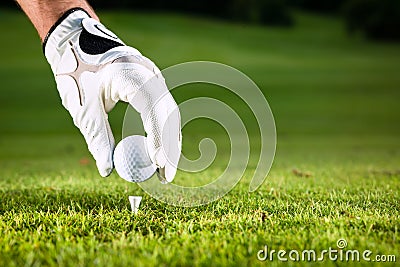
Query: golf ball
(131, 160)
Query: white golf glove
(94, 70)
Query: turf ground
(335, 175)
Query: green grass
(335, 101)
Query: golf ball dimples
(131, 160)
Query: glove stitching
(81, 67)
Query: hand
(94, 70)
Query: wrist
(44, 13)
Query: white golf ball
(131, 160)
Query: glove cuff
(68, 25)
(60, 20)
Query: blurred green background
(318, 79)
(375, 19)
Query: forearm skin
(44, 13)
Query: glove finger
(100, 142)
(161, 121)
(145, 89)
(91, 119)
(171, 141)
